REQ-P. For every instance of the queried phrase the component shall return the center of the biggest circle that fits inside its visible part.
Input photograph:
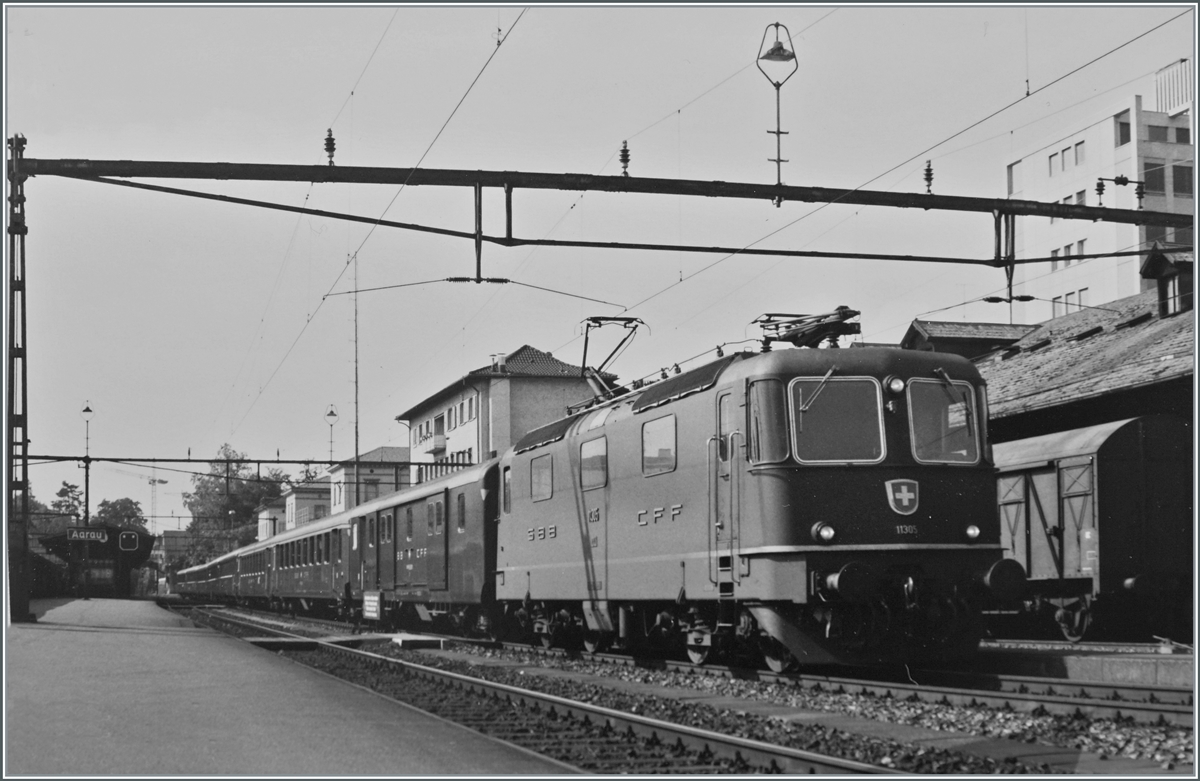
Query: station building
(1121, 138)
(373, 474)
(486, 410)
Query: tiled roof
(525, 361)
(528, 361)
(1090, 353)
(934, 329)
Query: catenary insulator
(625, 158)
(329, 144)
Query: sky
(186, 324)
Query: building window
(1157, 133)
(1183, 135)
(1154, 174)
(1083, 297)
(1122, 128)
(1079, 154)
(370, 490)
(1066, 255)
(541, 478)
(1053, 163)
(1067, 200)
(1070, 302)
(1181, 180)
(1155, 234)
(1065, 154)
(1081, 198)
(1079, 247)
(1054, 260)
(1184, 236)
(1056, 305)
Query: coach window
(408, 523)
(593, 463)
(943, 420)
(768, 422)
(371, 532)
(354, 524)
(836, 419)
(439, 518)
(658, 446)
(429, 510)
(506, 490)
(462, 512)
(541, 478)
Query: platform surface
(121, 687)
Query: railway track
(1022, 694)
(587, 737)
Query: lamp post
(783, 54)
(86, 413)
(331, 417)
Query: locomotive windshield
(836, 419)
(942, 415)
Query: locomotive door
(593, 480)
(724, 517)
(436, 558)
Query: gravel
(1168, 745)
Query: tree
(122, 513)
(223, 502)
(43, 521)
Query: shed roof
(1090, 353)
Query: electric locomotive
(813, 506)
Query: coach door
(407, 562)
(436, 561)
(724, 517)
(387, 550)
(368, 535)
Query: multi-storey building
(1122, 139)
(485, 411)
(374, 473)
(270, 518)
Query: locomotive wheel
(777, 656)
(596, 642)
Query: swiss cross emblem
(902, 496)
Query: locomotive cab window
(837, 420)
(658, 446)
(541, 478)
(943, 420)
(593, 463)
(506, 490)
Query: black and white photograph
(425, 390)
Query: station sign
(371, 605)
(87, 535)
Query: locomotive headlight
(894, 385)
(972, 532)
(823, 532)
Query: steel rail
(780, 758)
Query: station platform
(123, 687)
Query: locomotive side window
(943, 420)
(724, 425)
(593, 463)
(658, 446)
(506, 490)
(541, 478)
(837, 420)
(768, 422)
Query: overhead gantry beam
(509, 180)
